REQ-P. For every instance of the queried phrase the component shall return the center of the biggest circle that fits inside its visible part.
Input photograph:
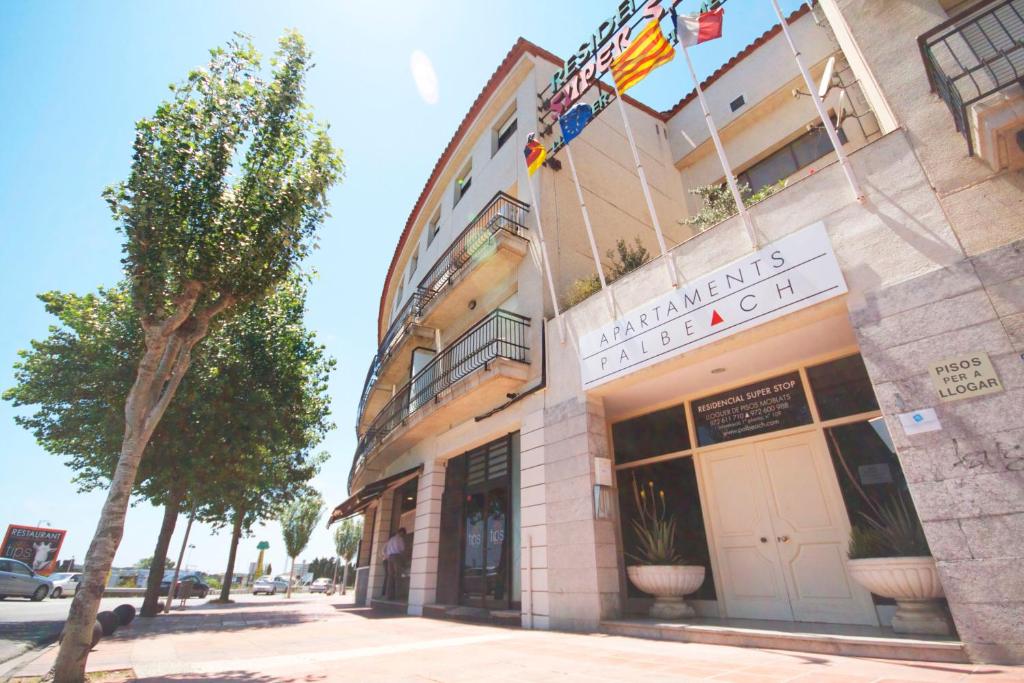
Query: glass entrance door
(485, 564)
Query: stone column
(967, 480)
(381, 531)
(532, 522)
(582, 565)
(423, 570)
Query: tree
(623, 259)
(718, 203)
(297, 521)
(147, 562)
(347, 536)
(197, 244)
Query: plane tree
(227, 189)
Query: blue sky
(76, 76)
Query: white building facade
(786, 392)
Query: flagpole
(730, 179)
(669, 263)
(544, 259)
(590, 230)
(826, 121)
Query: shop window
(766, 406)
(657, 433)
(842, 387)
(792, 157)
(677, 480)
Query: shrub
(719, 205)
(623, 259)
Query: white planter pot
(669, 584)
(913, 582)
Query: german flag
(534, 153)
(644, 54)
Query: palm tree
(297, 521)
(346, 542)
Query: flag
(535, 154)
(575, 120)
(692, 29)
(644, 54)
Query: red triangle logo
(715, 318)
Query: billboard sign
(37, 547)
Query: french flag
(693, 29)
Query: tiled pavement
(316, 638)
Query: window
(842, 387)
(794, 156)
(657, 433)
(398, 299)
(463, 182)
(412, 266)
(433, 227)
(737, 103)
(506, 130)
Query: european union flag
(575, 120)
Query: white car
(321, 585)
(270, 586)
(65, 583)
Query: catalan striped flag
(644, 54)
(534, 153)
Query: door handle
(782, 539)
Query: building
(784, 390)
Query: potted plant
(890, 557)
(660, 570)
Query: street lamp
(191, 547)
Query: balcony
(488, 250)
(974, 55)
(476, 371)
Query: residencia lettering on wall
(785, 276)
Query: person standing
(394, 550)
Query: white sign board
(965, 377)
(920, 421)
(795, 272)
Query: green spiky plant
(655, 528)
(895, 532)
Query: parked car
(65, 583)
(197, 588)
(18, 580)
(268, 585)
(321, 585)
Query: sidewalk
(319, 638)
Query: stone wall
(967, 480)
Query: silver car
(269, 586)
(18, 579)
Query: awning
(369, 493)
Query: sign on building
(788, 275)
(766, 406)
(965, 377)
(35, 546)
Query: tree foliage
(621, 260)
(347, 536)
(718, 204)
(298, 519)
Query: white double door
(780, 532)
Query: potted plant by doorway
(889, 556)
(660, 570)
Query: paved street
(25, 624)
(317, 638)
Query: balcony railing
(502, 213)
(500, 335)
(973, 55)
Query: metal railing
(501, 334)
(502, 213)
(973, 55)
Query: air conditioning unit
(997, 128)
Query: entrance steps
(830, 639)
(479, 615)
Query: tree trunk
(334, 581)
(344, 579)
(236, 533)
(160, 371)
(291, 578)
(151, 604)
